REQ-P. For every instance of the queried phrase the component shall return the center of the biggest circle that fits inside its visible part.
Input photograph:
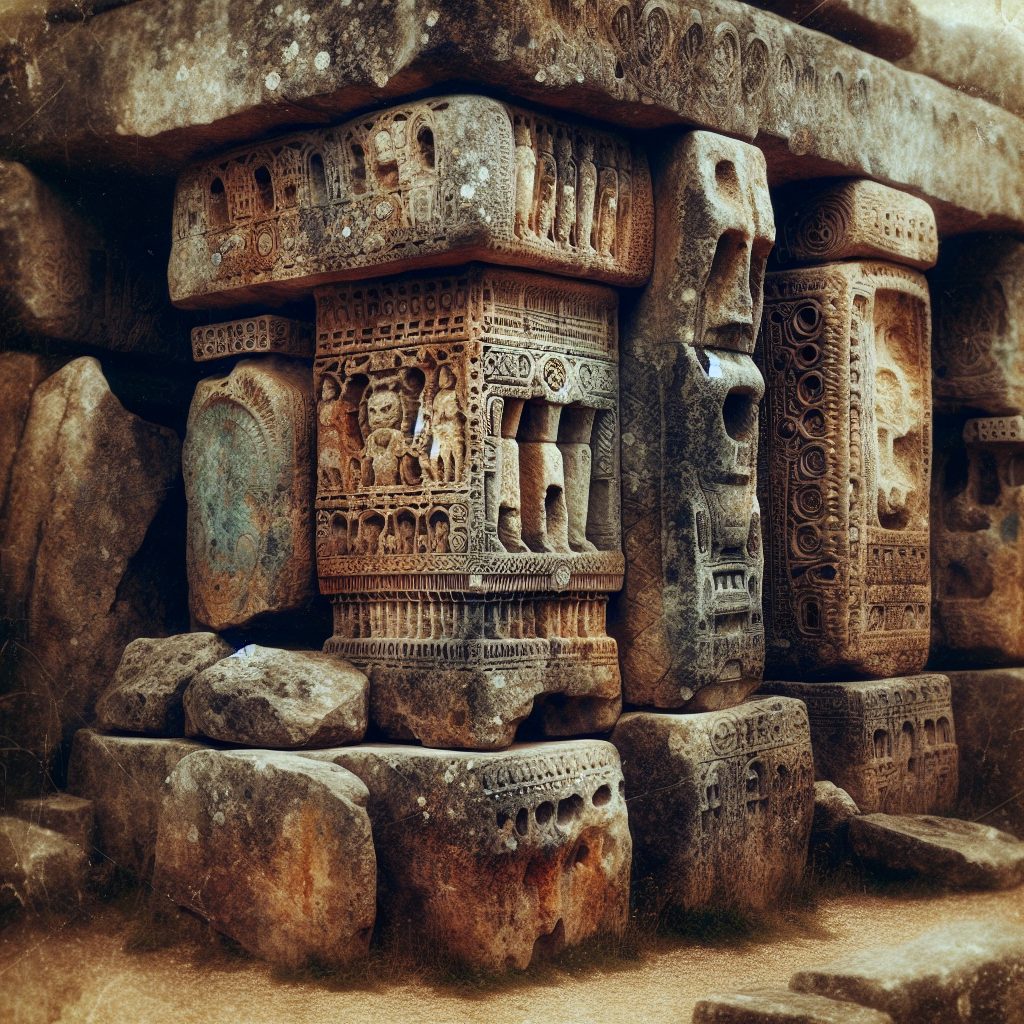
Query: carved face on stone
(384, 410)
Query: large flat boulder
(146, 692)
(39, 869)
(264, 697)
(88, 564)
(274, 850)
(962, 854)
(971, 972)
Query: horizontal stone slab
(780, 1006)
(251, 336)
(151, 86)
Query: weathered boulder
(83, 556)
(248, 469)
(494, 859)
(71, 816)
(39, 869)
(833, 809)
(780, 1006)
(970, 972)
(263, 697)
(962, 854)
(145, 695)
(989, 707)
(124, 778)
(720, 804)
(274, 850)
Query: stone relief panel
(436, 182)
(845, 468)
(978, 294)
(497, 859)
(890, 743)
(854, 218)
(720, 804)
(467, 499)
(254, 335)
(690, 628)
(247, 461)
(977, 557)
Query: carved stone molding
(254, 335)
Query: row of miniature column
(468, 421)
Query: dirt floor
(108, 969)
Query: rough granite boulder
(970, 972)
(780, 1006)
(833, 809)
(39, 868)
(146, 692)
(264, 697)
(961, 854)
(274, 850)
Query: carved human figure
(339, 441)
(385, 445)
(547, 186)
(587, 198)
(526, 174)
(447, 428)
(607, 212)
(565, 216)
(896, 424)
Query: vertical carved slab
(248, 460)
(690, 631)
(720, 804)
(977, 554)
(497, 859)
(889, 743)
(254, 335)
(432, 183)
(845, 467)
(978, 291)
(467, 499)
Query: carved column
(846, 435)
(691, 633)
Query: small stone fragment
(780, 1006)
(124, 777)
(71, 816)
(720, 804)
(833, 809)
(145, 695)
(496, 859)
(971, 972)
(960, 854)
(39, 868)
(264, 697)
(274, 850)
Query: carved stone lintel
(252, 336)
(720, 804)
(845, 466)
(890, 743)
(431, 183)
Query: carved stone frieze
(978, 295)
(720, 804)
(248, 464)
(977, 552)
(890, 743)
(690, 623)
(252, 336)
(496, 860)
(467, 499)
(856, 218)
(432, 183)
(845, 466)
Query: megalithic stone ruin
(691, 632)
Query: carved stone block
(254, 335)
(890, 743)
(248, 460)
(720, 804)
(978, 292)
(845, 465)
(977, 554)
(430, 183)
(497, 859)
(467, 502)
(690, 623)
(855, 218)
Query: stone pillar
(846, 452)
(690, 631)
(467, 515)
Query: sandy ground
(91, 969)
